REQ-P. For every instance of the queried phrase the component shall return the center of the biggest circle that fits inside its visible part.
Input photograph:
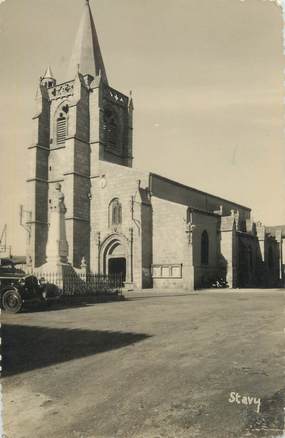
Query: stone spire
(86, 52)
(48, 74)
(48, 80)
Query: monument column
(57, 246)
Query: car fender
(11, 287)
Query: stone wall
(115, 181)
(146, 238)
(205, 273)
(93, 170)
(169, 226)
(37, 185)
(179, 193)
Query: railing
(79, 284)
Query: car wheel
(12, 301)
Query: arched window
(250, 258)
(115, 212)
(204, 248)
(62, 124)
(270, 258)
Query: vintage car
(18, 288)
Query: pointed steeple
(48, 80)
(131, 102)
(48, 74)
(86, 52)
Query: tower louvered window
(61, 125)
(61, 130)
(110, 127)
(270, 258)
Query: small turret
(48, 79)
(131, 102)
(130, 129)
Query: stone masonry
(153, 231)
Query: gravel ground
(160, 364)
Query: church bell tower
(77, 123)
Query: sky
(207, 81)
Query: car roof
(12, 261)
(5, 261)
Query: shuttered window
(61, 130)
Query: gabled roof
(86, 56)
(173, 190)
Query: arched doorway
(115, 257)
(117, 266)
(115, 262)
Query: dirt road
(156, 365)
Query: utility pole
(4, 249)
(25, 223)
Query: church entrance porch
(117, 266)
(115, 257)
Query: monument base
(64, 276)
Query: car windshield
(9, 268)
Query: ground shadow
(25, 348)
(71, 303)
(146, 297)
(53, 308)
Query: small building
(154, 231)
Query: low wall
(168, 283)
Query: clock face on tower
(111, 129)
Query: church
(155, 232)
